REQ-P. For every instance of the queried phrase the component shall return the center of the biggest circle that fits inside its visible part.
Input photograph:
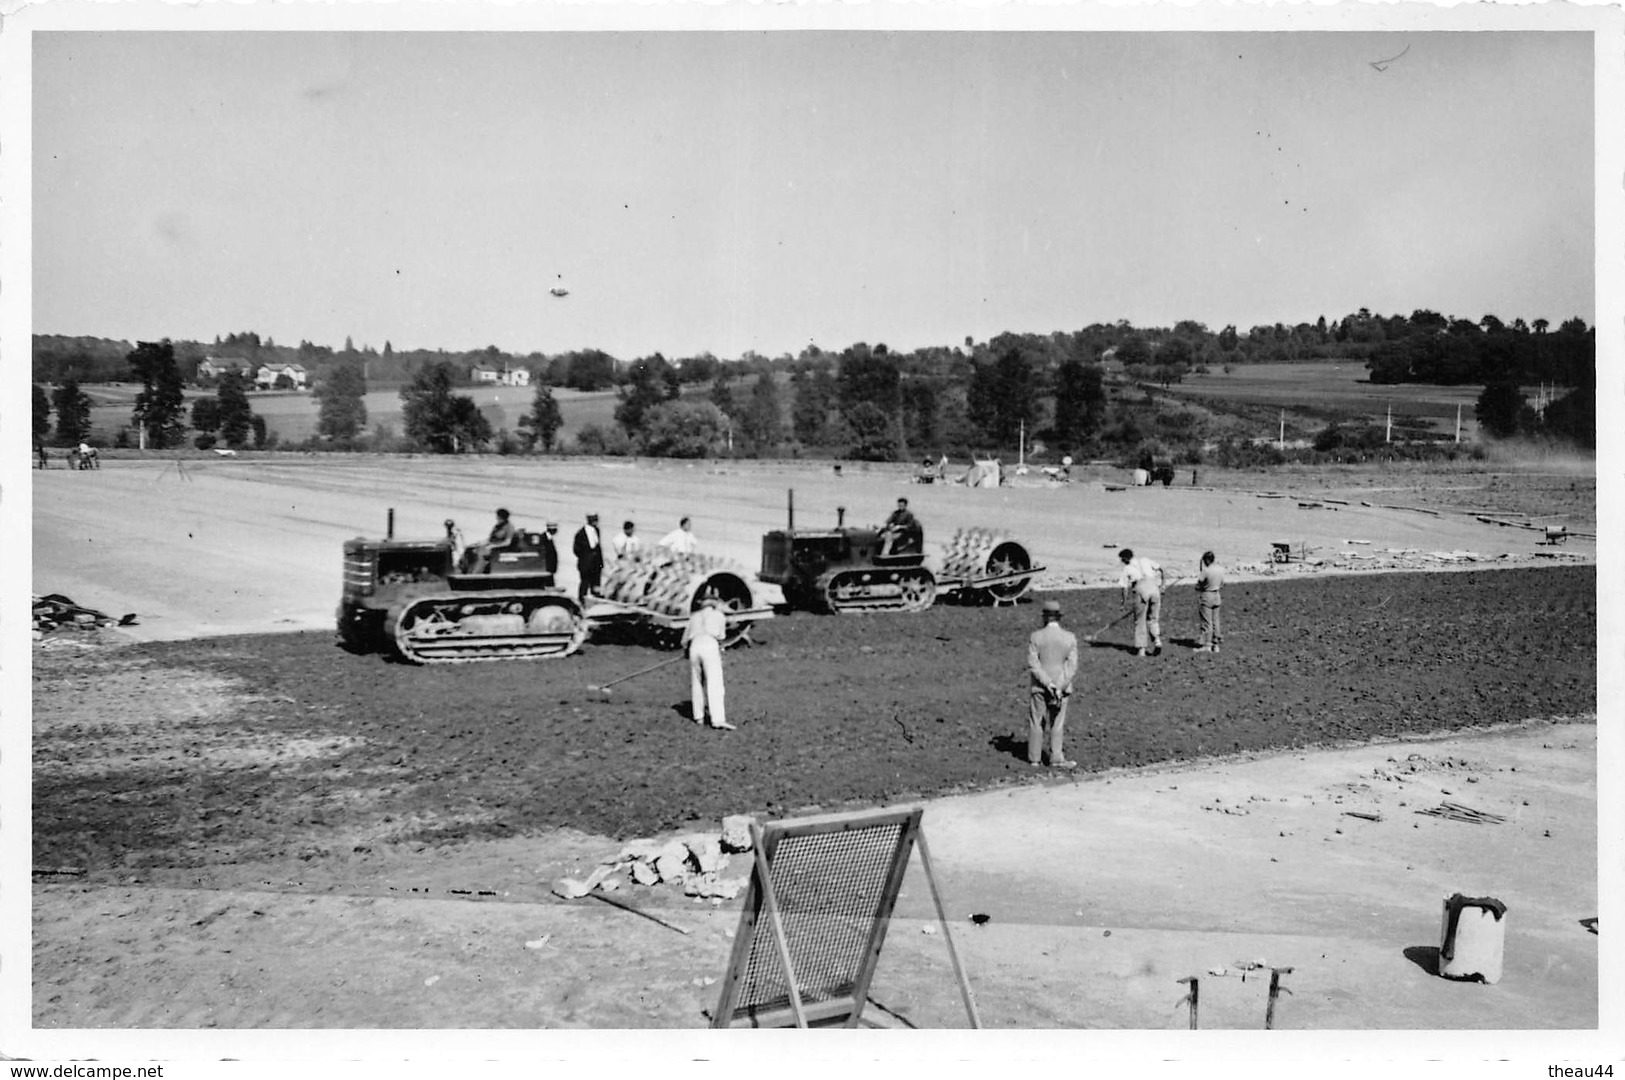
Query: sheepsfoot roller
(649, 598)
(408, 597)
(848, 569)
(982, 566)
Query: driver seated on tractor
(503, 536)
(902, 533)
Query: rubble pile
(1388, 559)
(55, 612)
(697, 863)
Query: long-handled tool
(642, 671)
(1127, 614)
(1130, 612)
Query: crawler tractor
(848, 569)
(419, 599)
(409, 595)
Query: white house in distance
(213, 367)
(265, 378)
(515, 377)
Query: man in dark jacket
(550, 549)
(902, 533)
(589, 552)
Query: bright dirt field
(1103, 888)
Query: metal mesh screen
(829, 888)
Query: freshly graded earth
(254, 830)
(283, 745)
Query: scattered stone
(712, 887)
(672, 867)
(538, 943)
(571, 888)
(640, 849)
(707, 853)
(643, 873)
(736, 832)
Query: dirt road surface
(240, 546)
(288, 869)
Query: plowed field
(267, 746)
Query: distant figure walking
(703, 637)
(1142, 584)
(1209, 580)
(1052, 661)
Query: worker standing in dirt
(589, 553)
(1142, 584)
(1052, 660)
(703, 638)
(1209, 580)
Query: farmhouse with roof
(213, 367)
(268, 374)
(513, 377)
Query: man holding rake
(1143, 582)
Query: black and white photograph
(1062, 533)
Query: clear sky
(750, 190)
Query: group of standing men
(706, 629)
(587, 547)
(1052, 650)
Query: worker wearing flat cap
(1052, 660)
(589, 552)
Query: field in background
(1336, 390)
(292, 415)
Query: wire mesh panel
(834, 883)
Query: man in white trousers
(1142, 583)
(703, 637)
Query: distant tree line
(1087, 392)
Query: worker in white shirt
(1142, 584)
(703, 638)
(680, 541)
(627, 543)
